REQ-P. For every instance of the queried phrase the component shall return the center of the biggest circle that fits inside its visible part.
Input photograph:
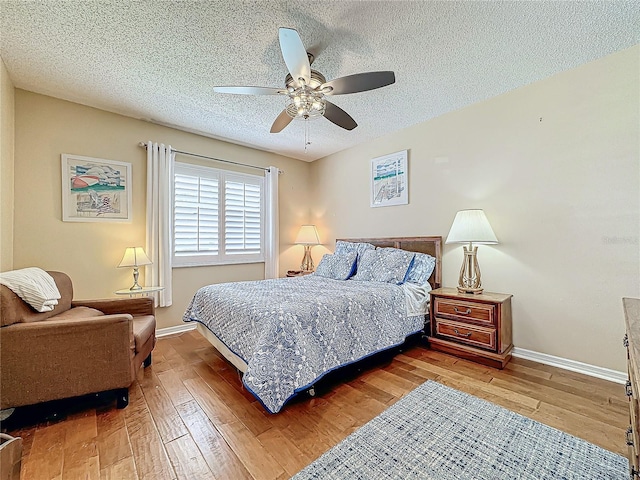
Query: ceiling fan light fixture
(306, 103)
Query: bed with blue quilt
(285, 334)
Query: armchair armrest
(111, 306)
(61, 358)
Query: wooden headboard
(429, 245)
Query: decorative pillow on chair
(338, 267)
(384, 265)
(358, 247)
(421, 269)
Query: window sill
(214, 264)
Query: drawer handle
(627, 388)
(465, 335)
(625, 341)
(629, 437)
(465, 312)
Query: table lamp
(134, 257)
(470, 226)
(307, 236)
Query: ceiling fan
(307, 89)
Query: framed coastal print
(95, 190)
(389, 180)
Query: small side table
(144, 291)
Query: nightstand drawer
(465, 333)
(465, 311)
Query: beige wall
(7, 108)
(46, 127)
(555, 166)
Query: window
(218, 216)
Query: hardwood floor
(190, 418)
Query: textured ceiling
(158, 60)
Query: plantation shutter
(196, 215)
(243, 217)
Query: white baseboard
(163, 332)
(572, 365)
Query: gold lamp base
(469, 280)
(307, 262)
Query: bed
(286, 334)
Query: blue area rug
(436, 432)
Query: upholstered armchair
(78, 348)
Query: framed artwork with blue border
(389, 180)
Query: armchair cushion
(79, 312)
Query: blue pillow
(358, 247)
(421, 269)
(338, 267)
(388, 265)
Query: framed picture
(95, 190)
(389, 180)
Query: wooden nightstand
(476, 327)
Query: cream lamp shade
(471, 226)
(307, 236)
(134, 257)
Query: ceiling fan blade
(335, 114)
(294, 54)
(250, 90)
(360, 82)
(282, 121)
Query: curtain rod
(280, 172)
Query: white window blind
(218, 216)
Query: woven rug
(436, 432)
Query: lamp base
(469, 280)
(307, 262)
(136, 285)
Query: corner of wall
(7, 155)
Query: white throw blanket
(34, 286)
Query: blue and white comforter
(291, 331)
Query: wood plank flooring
(190, 418)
